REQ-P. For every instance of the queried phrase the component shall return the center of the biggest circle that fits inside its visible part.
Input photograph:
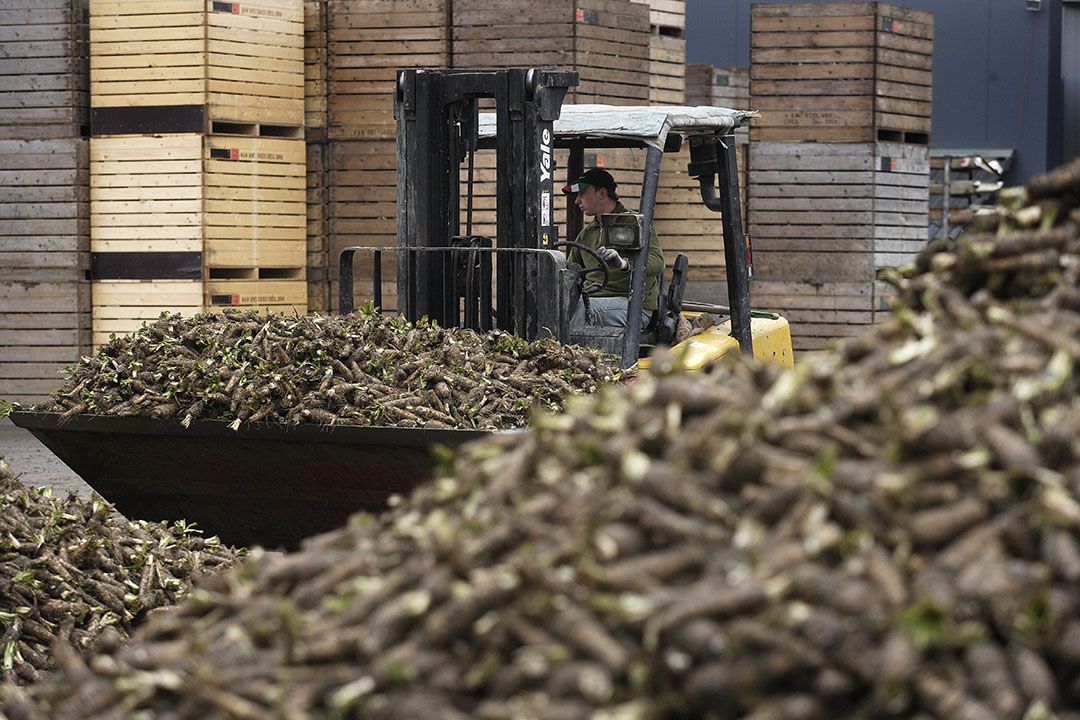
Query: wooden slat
(245, 66)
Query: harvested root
(75, 568)
(890, 531)
(363, 369)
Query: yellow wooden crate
(121, 307)
(242, 61)
(240, 201)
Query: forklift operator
(595, 191)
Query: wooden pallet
(315, 69)
(841, 72)
(605, 41)
(242, 62)
(43, 69)
(829, 216)
(369, 42)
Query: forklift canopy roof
(650, 125)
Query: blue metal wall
(997, 70)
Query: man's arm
(656, 257)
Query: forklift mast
(437, 119)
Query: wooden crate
(319, 263)
(315, 69)
(667, 66)
(238, 201)
(718, 87)
(605, 41)
(369, 42)
(667, 51)
(44, 327)
(121, 307)
(824, 218)
(362, 185)
(236, 62)
(820, 313)
(43, 69)
(666, 13)
(188, 222)
(841, 72)
(44, 258)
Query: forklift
(519, 281)
(272, 484)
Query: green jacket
(619, 280)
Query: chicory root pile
(75, 568)
(887, 531)
(361, 369)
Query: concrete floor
(34, 464)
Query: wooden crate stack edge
(841, 72)
(367, 44)
(198, 162)
(667, 51)
(839, 166)
(44, 232)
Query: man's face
(589, 200)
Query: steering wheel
(592, 287)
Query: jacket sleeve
(656, 257)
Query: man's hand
(612, 258)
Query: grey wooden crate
(44, 73)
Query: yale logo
(545, 156)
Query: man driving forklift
(595, 195)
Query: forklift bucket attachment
(263, 484)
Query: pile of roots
(890, 531)
(77, 569)
(361, 369)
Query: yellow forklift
(519, 281)
(274, 484)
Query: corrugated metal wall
(1070, 74)
(996, 70)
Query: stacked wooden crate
(841, 72)
(368, 43)
(316, 109)
(605, 41)
(197, 155)
(720, 87)
(44, 211)
(667, 51)
(839, 168)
